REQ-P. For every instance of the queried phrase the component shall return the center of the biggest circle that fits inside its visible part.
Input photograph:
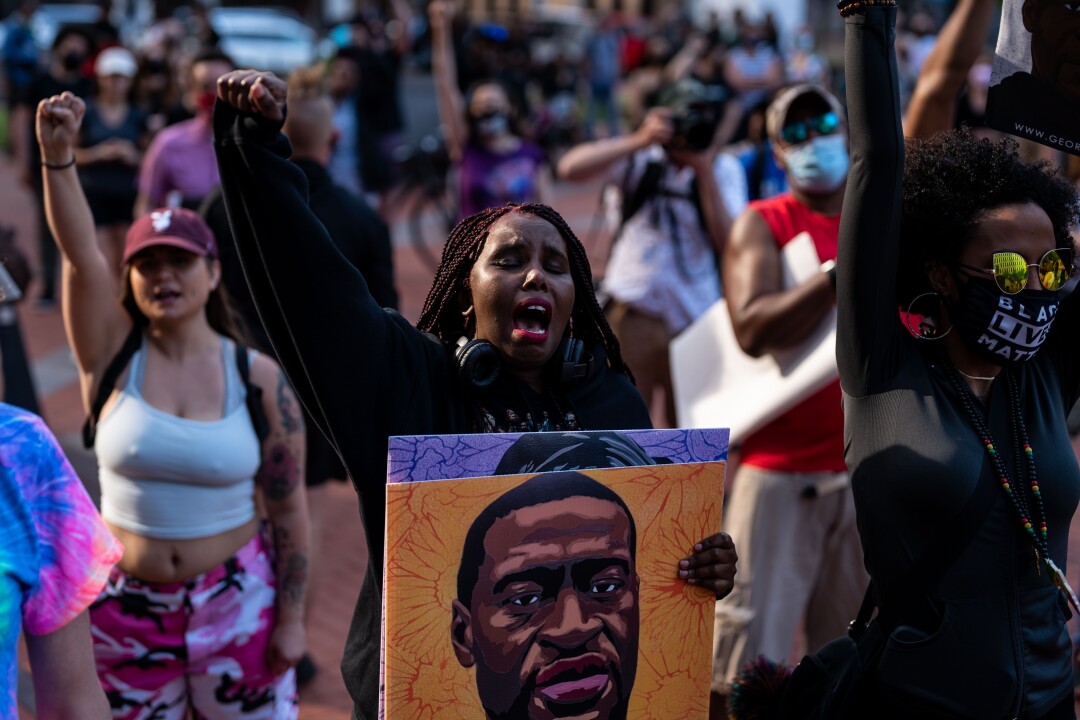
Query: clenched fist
(57, 125)
(253, 91)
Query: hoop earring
(926, 330)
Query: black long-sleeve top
(915, 458)
(359, 233)
(363, 373)
(356, 228)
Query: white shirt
(663, 264)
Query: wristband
(58, 166)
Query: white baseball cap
(115, 61)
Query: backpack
(131, 345)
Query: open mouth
(574, 681)
(166, 296)
(532, 317)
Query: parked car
(274, 39)
(50, 17)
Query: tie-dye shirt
(55, 551)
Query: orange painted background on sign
(674, 506)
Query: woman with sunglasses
(965, 483)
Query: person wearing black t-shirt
(69, 50)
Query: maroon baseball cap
(175, 227)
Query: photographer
(679, 198)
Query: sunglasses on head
(1010, 270)
(799, 132)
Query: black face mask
(72, 61)
(491, 124)
(155, 67)
(1004, 329)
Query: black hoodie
(364, 373)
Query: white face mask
(818, 166)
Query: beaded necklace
(1025, 467)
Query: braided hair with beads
(442, 317)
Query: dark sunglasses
(1010, 270)
(799, 132)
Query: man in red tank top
(790, 510)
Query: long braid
(442, 316)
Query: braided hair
(442, 315)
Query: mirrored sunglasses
(799, 132)
(1010, 270)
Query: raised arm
(868, 329)
(95, 321)
(680, 65)
(362, 373)
(402, 13)
(450, 102)
(933, 103)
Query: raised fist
(254, 91)
(57, 124)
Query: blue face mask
(818, 166)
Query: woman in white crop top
(203, 607)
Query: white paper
(718, 385)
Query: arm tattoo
(282, 540)
(279, 474)
(292, 567)
(289, 419)
(292, 576)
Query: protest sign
(1035, 85)
(555, 588)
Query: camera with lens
(693, 114)
(694, 127)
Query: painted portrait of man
(530, 575)
(1043, 104)
(547, 609)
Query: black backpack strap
(253, 394)
(108, 383)
(634, 198)
(936, 560)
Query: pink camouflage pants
(163, 650)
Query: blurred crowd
(567, 80)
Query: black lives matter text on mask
(1016, 331)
